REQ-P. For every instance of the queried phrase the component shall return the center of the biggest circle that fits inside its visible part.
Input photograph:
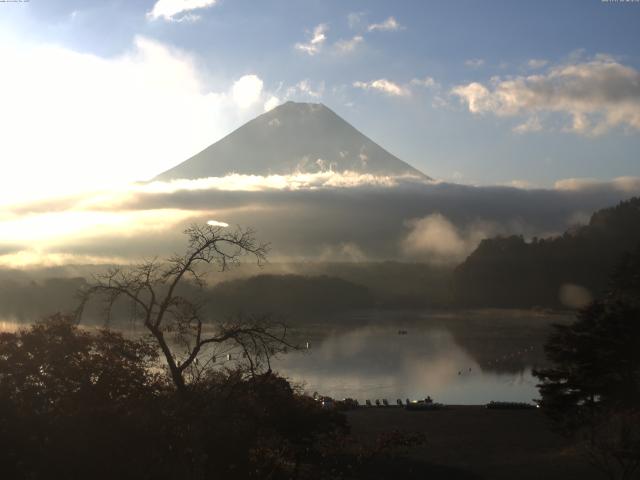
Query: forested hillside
(512, 272)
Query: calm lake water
(459, 358)
(455, 357)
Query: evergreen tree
(592, 388)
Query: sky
(95, 94)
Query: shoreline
(471, 441)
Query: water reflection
(376, 362)
(455, 357)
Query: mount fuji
(289, 139)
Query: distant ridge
(292, 138)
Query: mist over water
(449, 364)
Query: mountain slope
(510, 272)
(292, 138)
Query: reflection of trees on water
(467, 358)
(501, 341)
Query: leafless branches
(154, 292)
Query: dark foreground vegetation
(76, 404)
(80, 403)
(591, 391)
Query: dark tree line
(511, 272)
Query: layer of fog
(375, 362)
(323, 216)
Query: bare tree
(177, 321)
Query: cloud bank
(324, 215)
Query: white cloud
(598, 95)
(435, 239)
(389, 25)
(532, 124)
(474, 63)
(630, 185)
(326, 178)
(427, 82)
(476, 95)
(521, 184)
(304, 89)
(171, 10)
(385, 86)
(73, 121)
(247, 91)
(347, 46)
(314, 45)
(536, 63)
(216, 223)
(271, 103)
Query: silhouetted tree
(176, 319)
(73, 404)
(77, 403)
(592, 389)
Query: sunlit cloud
(271, 103)
(532, 124)
(247, 90)
(216, 223)
(597, 95)
(41, 233)
(627, 184)
(521, 184)
(426, 82)
(178, 10)
(304, 215)
(304, 88)
(43, 237)
(536, 63)
(75, 122)
(437, 240)
(389, 25)
(385, 86)
(315, 43)
(348, 46)
(295, 181)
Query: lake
(456, 358)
